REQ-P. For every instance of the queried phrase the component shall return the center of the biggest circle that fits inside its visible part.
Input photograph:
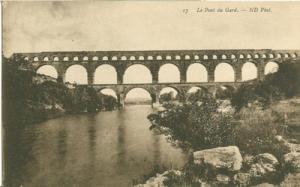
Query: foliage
(199, 123)
(167, 97)
(257, 130)
(27, 102)
(285, 83)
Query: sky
(158, 25)
(145, 25)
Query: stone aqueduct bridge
(153, 60)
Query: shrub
(199, 123)
(257, 130)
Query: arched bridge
(121, 61)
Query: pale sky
(96, 26)
(124, 25)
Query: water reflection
(104, 149)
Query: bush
(199, 123)
(257, 130)
(283, 84)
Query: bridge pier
(120, 100)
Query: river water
(103, 149)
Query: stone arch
(46, 59)
(123, 58)
(195, 88)
(205, 57)
(150, 58)
(137, 73)
(196, 72)
(168, 57)
(132, 58)
(75, 58)
(95, 58)
(158, 57)
(108, 91)
(249, 71)
(47, 70)
(168, 73)
(187, 57)
(85, 58)
(35, 59)
(66, 58)
(56, 58)
(271, 55)
(271, 67)
(114, 58)
(175, 94)
(143, 96)
(264, 56)
(195, 91)
(105, 74)
(76, 73)
(224, 72)
(224, 92)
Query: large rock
(292, 161)
(264, 165)
(228, 158)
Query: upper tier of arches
(157, 55)
(166, 73)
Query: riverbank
(31, 98)
(259, 123)
(268, 155)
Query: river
(103, 149)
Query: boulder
(242, 179)
(292, 161)
(228, 158)
(264, 165)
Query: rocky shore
(225, 166)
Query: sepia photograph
(150, 94)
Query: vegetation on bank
(251, 121)
(26, 101)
